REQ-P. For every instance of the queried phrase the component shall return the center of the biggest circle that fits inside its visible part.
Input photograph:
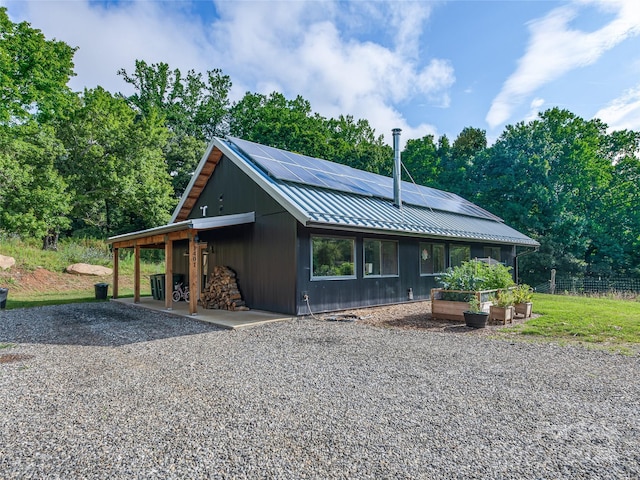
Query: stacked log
(222, 292)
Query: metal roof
(331, 208)
(207, 223)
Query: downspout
(397, 169)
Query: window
(459, 254)
(332, 257)
(431, 258)
(492, 252)
(380, 258)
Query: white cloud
(112, 37)
(534, 109)
(555, 48)
(623, 113)
(322, 51)
(303, 49)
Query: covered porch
(166, 237)
(220, 318)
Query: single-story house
(304, 233)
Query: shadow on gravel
(106, 324)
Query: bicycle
(180, 293)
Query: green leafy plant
(522, 294)
(503, 299)
(475, 275)
(474, 304)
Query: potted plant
(502, 307)
(474, 317)
(522, 296)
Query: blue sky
(428, 67)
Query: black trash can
(101, 291)
(4, 293)
(154, 286)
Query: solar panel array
(293, 167)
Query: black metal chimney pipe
(397, 168)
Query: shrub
(475, 275)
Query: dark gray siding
(330, 295)
(262, 254)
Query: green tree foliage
(194, 110)
(421, 158)
(278, 122)
(34, 72)
(33, 197)
(459, 165)
(355, 143)
(115, 166)
(554, 178)
(33, 91)
(292, 125)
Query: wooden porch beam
(116, 258)
(157, 240)
(136, 274)
(168, 273)
(193, 273)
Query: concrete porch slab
(220, 318)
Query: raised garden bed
(450, 304)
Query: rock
(6, 262)
(86, 269)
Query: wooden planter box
(502, 314)
(453, 310)
(524, 309)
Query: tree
(355, 143)
(555, 178)
(33, 93)
(421, 159)
(33, 198)
(115, 166)
(194, 110)
(458, 166)
(273, 120)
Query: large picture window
(459, 254)
(332, 257)
(431, 258)
(380, 258)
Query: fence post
(552, 287)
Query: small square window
(431, 258)
(459, 254)
(380, 258)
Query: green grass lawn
(61, 298)
(599, 321)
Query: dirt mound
(42, 280)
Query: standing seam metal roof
(338, 209)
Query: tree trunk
(50, 241)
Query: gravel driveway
(104, 390)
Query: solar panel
(297, 168)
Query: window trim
(364, 263)
(314, 278)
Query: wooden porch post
(116, 257)
(136, 274)
(193, 273)
(168, 272)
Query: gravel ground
(104, 390)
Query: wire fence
(591, 286)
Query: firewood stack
(221, 292)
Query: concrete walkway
(220, 318)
